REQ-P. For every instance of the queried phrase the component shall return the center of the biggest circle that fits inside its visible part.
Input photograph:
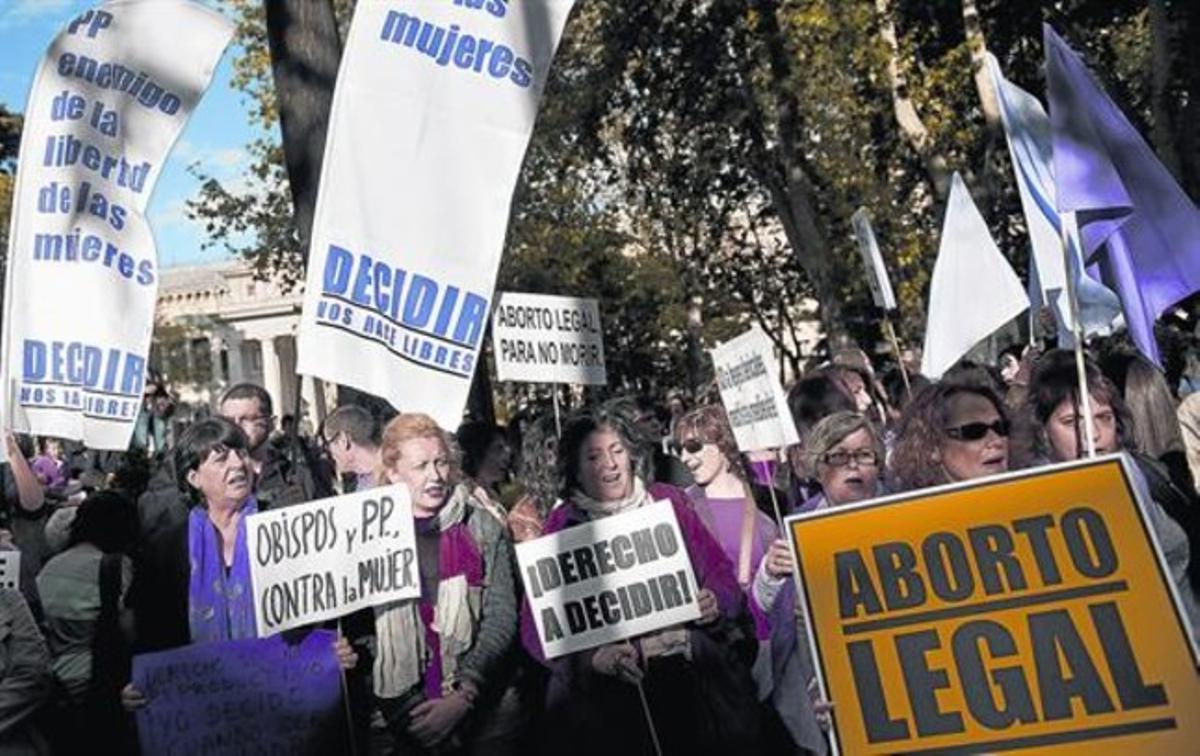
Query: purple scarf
(220, 603)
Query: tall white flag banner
(434, 106)
(108, 101)
(603, 581)
(974, 290)
(754, 400)
(1027, 131)
(331, 557)
(537, 338)
(877, 275)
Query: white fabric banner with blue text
(434, 106)
(108, 101)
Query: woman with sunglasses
(951, 432)
(722, 495)
(845, 453)
(1059, 417)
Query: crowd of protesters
(127, 553)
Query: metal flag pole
(649, 720)
(1065, 220)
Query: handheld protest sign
(607, 580)
(331, 557)
(261, 695)
(753, 399)
(543, 339)
(1029, 611)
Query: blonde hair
(408, 426)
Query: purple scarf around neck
(220, 603)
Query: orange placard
(1031, 611)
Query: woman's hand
(432, 721)
(346, 655)
(779, 559)
(132, 699)
(709, 608)
(822, 708)
(618, 660)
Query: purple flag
(1125, 199)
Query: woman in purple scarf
(695, 677)
(192, 581)
(443, 666)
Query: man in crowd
(351, 436)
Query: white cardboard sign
(538, 338)
(753, 398)
(610, 579)
(331, 557)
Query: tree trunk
(305, 52)
(1162, 42)
(912, 128)
(790, 187)
(988, 100)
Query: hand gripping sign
(607, 580)
(1029, 611)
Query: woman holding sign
(1054, 399)
(698, 695)
(192, 580)
(845, 452)
(444, 660)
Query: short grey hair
(832, 430)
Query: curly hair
(617, 415)
(412, 425)
(537, 467)
(710, 424)
(921, 433)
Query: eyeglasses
(860, 458)
(976, 431)
(691, 446)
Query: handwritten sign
(753, 399)
(614, 578)
(1030, 612)
(543, 339)
(260, 696)
(331, 557)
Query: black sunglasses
(691, 446)
(976, 431)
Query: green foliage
(715, 150)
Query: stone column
(271, 377)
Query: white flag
(434, 106)
(1027, 130)
(974, 290)
(109, 99)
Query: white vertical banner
(109, 100)
(754, 400)
(433, 110)
(868, 247)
